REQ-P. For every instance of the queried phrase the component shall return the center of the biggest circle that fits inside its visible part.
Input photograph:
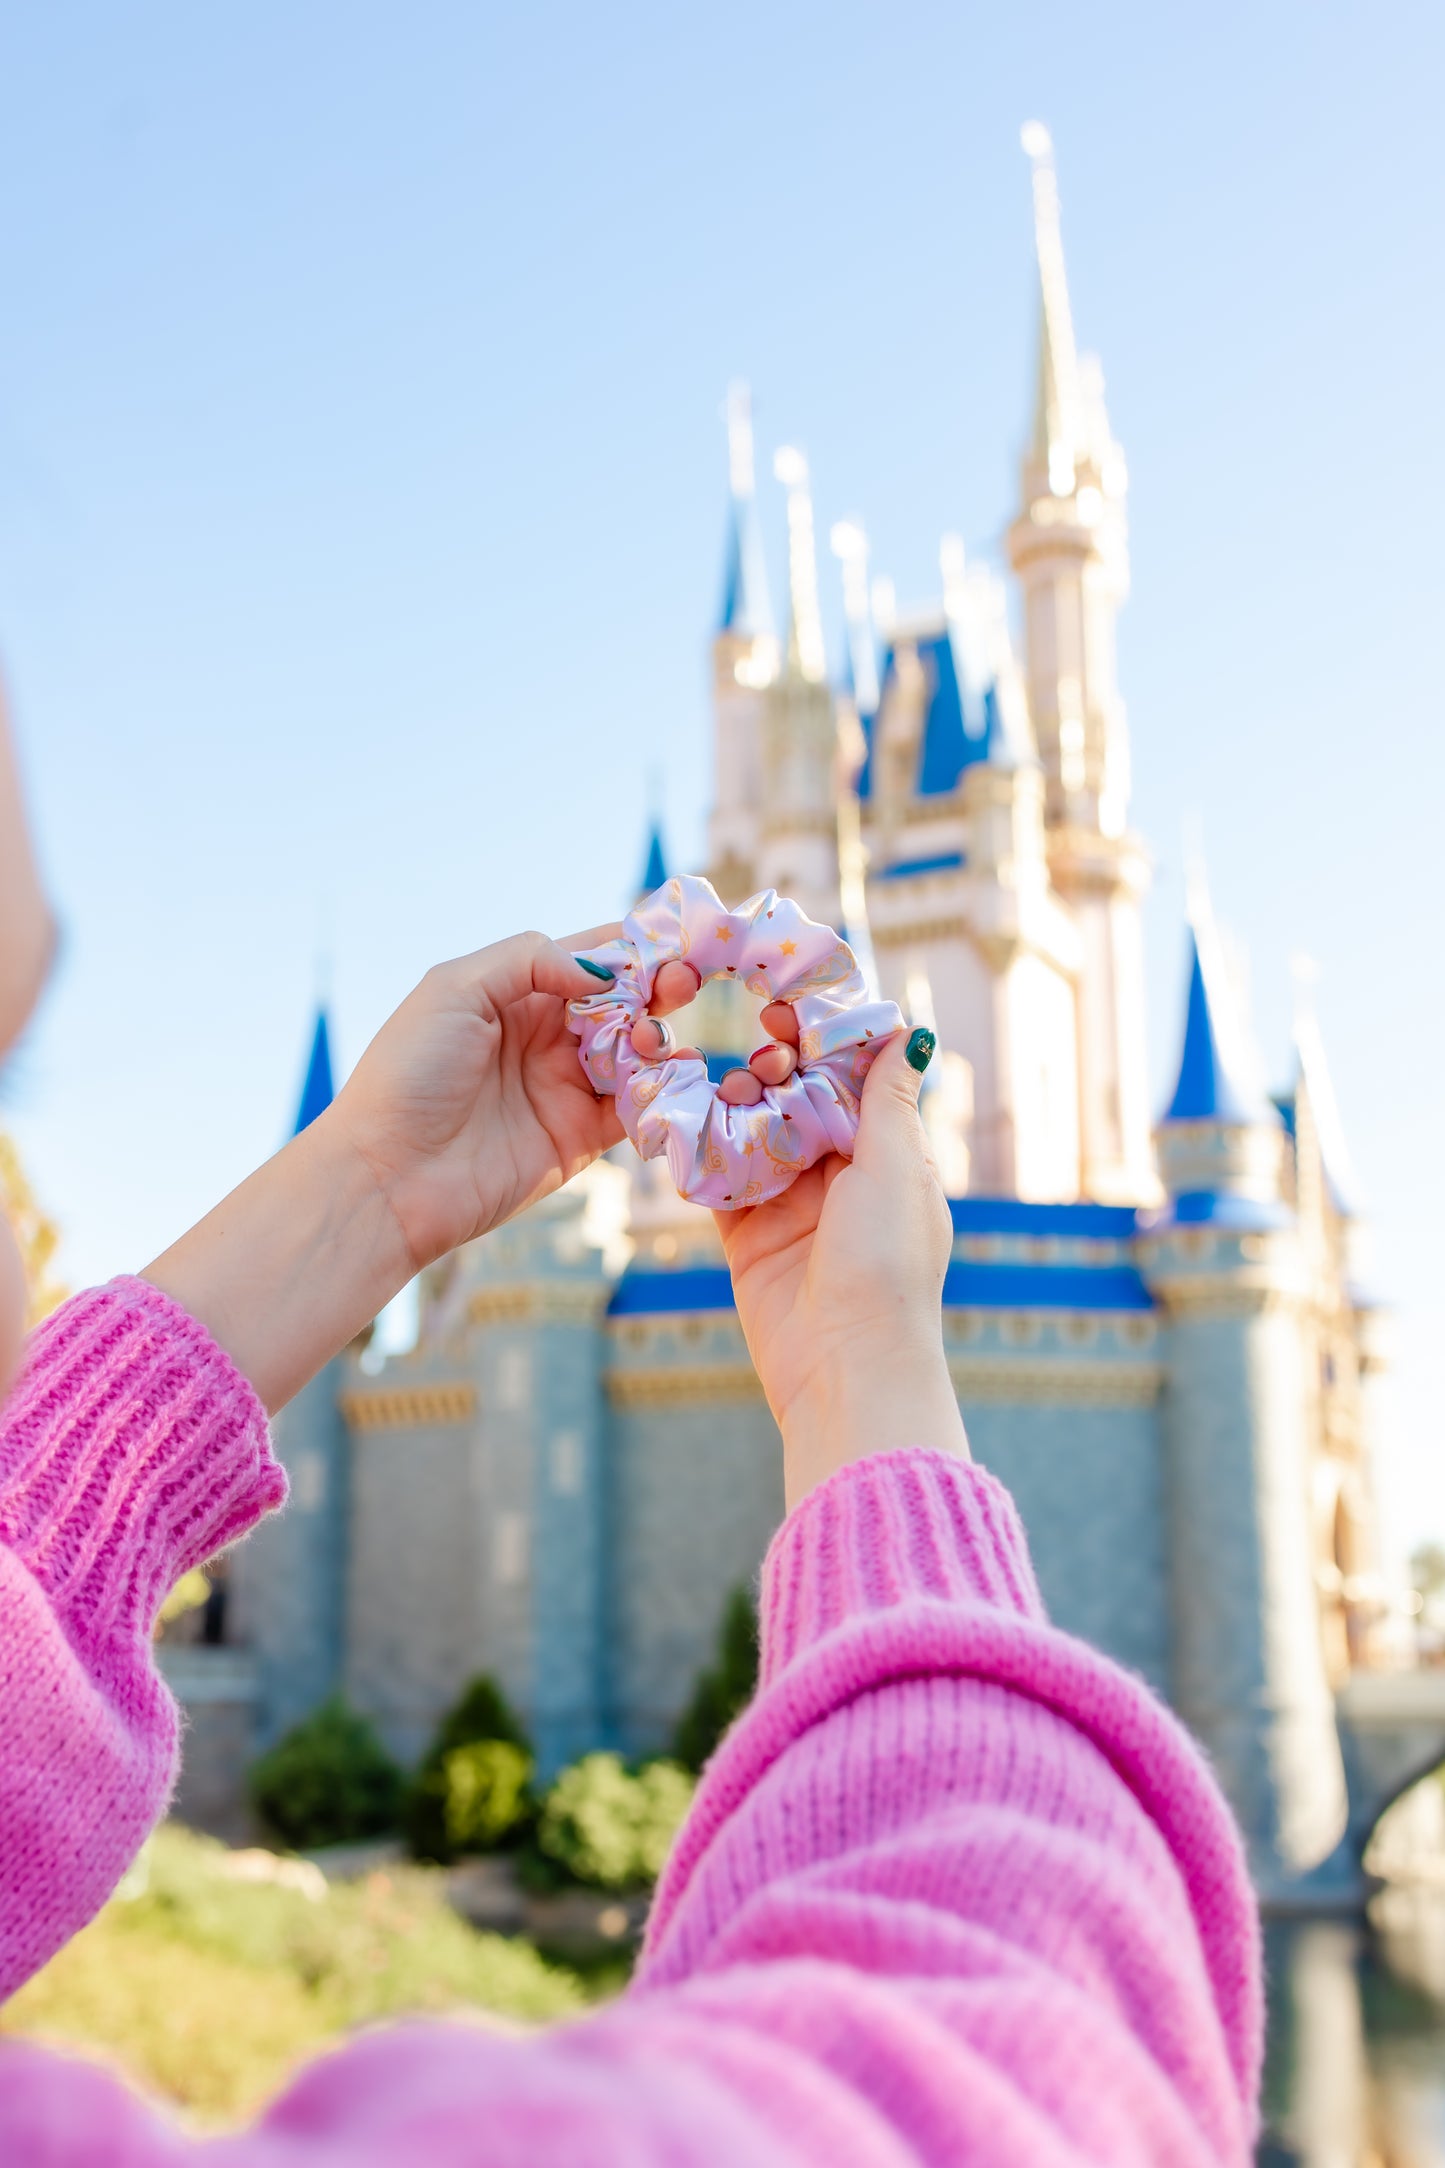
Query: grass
(209, 1989)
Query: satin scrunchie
(718, 1154)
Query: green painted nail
(599, 971)
(919, 1050)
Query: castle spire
(849, 543)
(746, 608)
(318, 1090)
(1207, 1090)
(1314, 1082)
(1057, 426)
(807, 657)
(654, 871)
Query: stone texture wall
(1247, 1667)
(288, 1581)
(695, 1493)
(1088, 1482)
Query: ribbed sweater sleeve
(131, 1449)
(953, 1889)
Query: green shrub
(329, 1781)
(487, 1793)
(475, 1803)
(725, 1689)
(208, 1976)
(610, 1827)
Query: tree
(725, 1689)
(329, 1781)
(465, 1800)
(609, 1826)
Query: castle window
(514, 1378)
(308, 1482)
(566, 1463)
(509, 1549)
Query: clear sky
(362, 486)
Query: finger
(773, 1064)
(688, 1053)
(740, 1088)
(528, 963)
(890, 1127)
(675, 985)
(780, 1021)
(652, 1039)
(594, 937)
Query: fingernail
(599, 971)
(919, 1050)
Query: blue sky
(362, 486)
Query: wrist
(293, 1264)
(871, 1400)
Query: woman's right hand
(839, 1286)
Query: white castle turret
(798, 832)
(745, 662)
(1069, 549)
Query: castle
(1153, 1326)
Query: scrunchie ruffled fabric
(717, 1154)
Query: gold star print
(787, 948)
(724, 933)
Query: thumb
(889, 1123)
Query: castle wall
(1247, 1669)
(1088, 1483)
(288, 1582)
(418, 1526)
(696, 1492)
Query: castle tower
(798, 834)
(1225, 1262)
(288, 1583)
(1069, 550)
(744, 663)
(959, 894)
(1348, 1361)
(654, 864)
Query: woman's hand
(839, 1286)
(469, 1104)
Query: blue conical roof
(948, 746)
(746, 605)
(654, 873)
(318, 1091)
(1206, 1091)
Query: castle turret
(317, 1091)
(1068, 547)
(744, 663)
(798, 833)
(288, 1583)
(959, 890)
(654, 864)
(1224, 1261)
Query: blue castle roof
(1206, 1092)
(654, 872)
(746, 607)
(1108, 1286)
(949, 743)
(318, 1091)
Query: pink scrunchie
(718, 1154)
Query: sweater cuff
(131, 1450)
(882, 1532)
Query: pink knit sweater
(955, 1889)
